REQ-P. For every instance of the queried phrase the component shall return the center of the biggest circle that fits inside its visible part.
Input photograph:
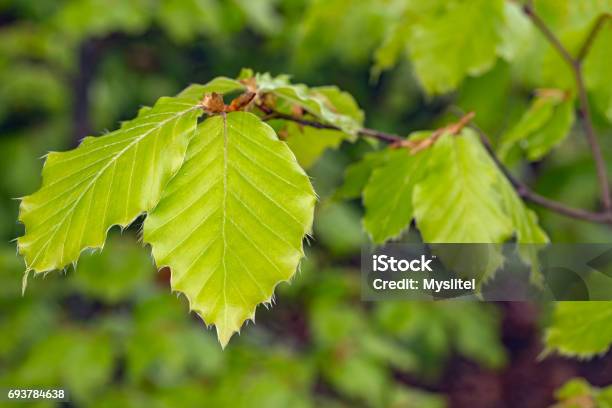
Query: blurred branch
(397, 141)
(575, 64)
(376, 134)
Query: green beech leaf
(388, 195)
(106, 181)
(517, 32)
(220, 85)
(553, 133)
(309, 143)
(580, 329)
(526, 227)
(457, 200)
(339, 101)
(387, 54)
(544, 125)
(316, 101)
(450, 40)
(231, 222)
(357, 174)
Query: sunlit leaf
(545, 124)
(320, 102)
(457, 200)
(230, 224)
(580, 329)
(106, 181)
(450, 40)
(309, 143)
(357, 174)
(388, 195)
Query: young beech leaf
(553, 133)
(450, 40)
(308, 143)
(316, 101)
(457, 200)
(388, 195)
(356, 175)
(230, 224)
(538, 114)
(106, 181)
(580, 329)
(544, 125)
(525, 223)
(393, 45)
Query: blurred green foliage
(111, 332)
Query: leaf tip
(24, 281)
(224, 334)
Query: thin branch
(575, 65)
(600, 164)
(521, 188)
(377, 134)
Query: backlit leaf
(580, 329)
(457, 200)
(450, 40)
(356, 175)
(309, 143)
(230, 224)
(545, 124)
(106, 181)
(526, 227)
(388, 195)
(315, 101)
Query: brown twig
(575, 64)
(377, 134)
(453, 129)
(394, 140)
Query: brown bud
(213, 103)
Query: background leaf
(450, 40)
(457, 200)
(388, 195)
(580, 329)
